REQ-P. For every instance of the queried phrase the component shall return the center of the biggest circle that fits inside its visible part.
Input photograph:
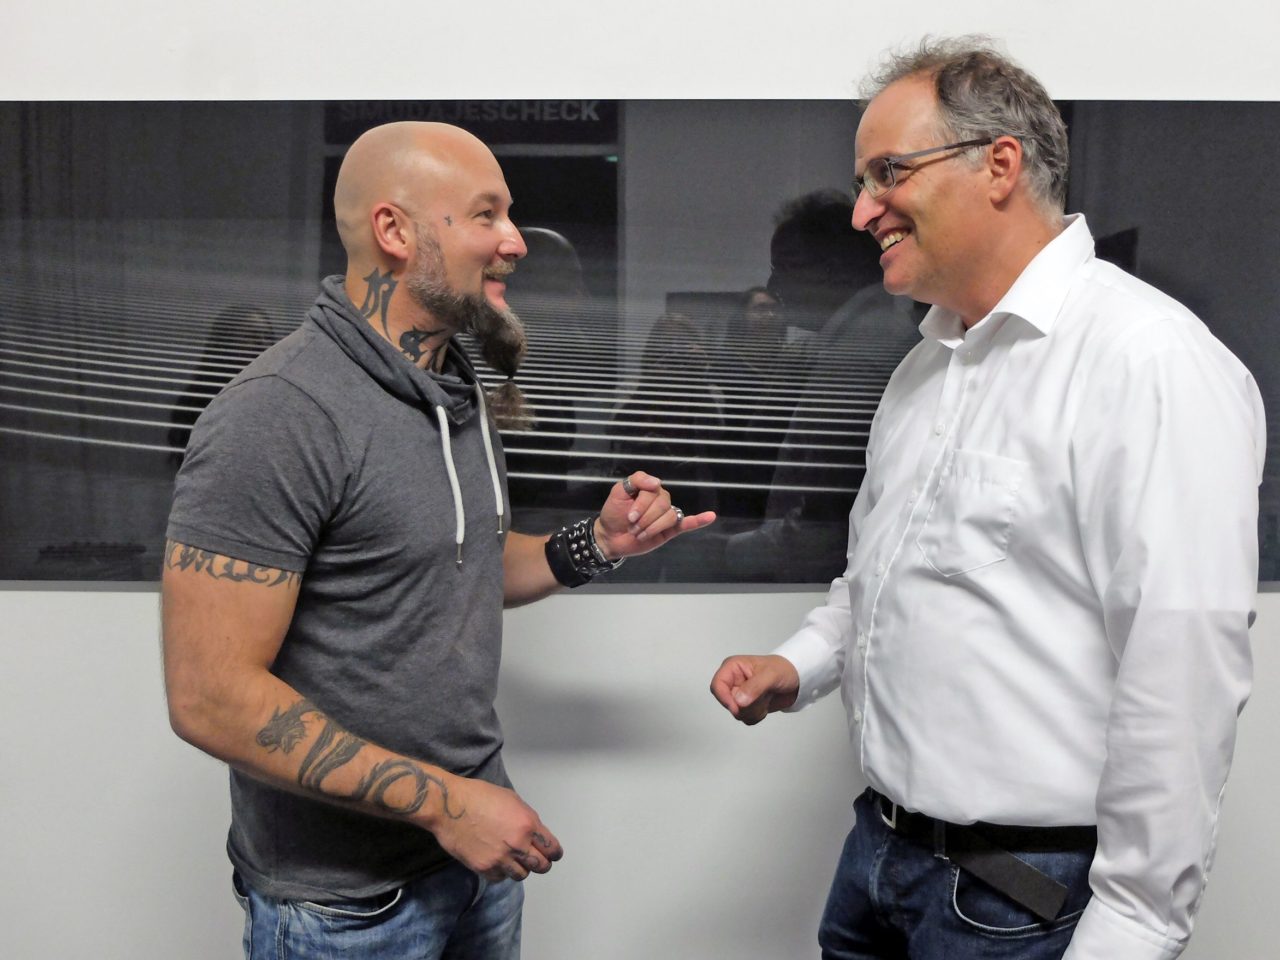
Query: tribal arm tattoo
(377, 297)
(414, 345)
(179, 556)
(334, 748)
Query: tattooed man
(336, 572)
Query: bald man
(337, 565)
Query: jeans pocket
(988, 911)
(973, 512)
(364, 910)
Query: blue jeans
(896, 899)
(451, 914)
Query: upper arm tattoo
(179, 556)
(334, 748)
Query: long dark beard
(498, 332)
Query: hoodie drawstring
(459, 515)
(493, 463)
(446, 447)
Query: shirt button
(937, 429)
(857, 716)
(879, 569)
(862, 643)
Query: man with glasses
(1041, 634)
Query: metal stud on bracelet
(574, 556)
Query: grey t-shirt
(317, 460)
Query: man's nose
(512, 246)
(866, 209)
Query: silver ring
(679, 515)
(628, 487)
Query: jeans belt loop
(940, 839)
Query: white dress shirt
(1051, 575)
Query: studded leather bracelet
(574, 556)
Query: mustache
(499, 271)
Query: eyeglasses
(878, 179)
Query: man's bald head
(406, 164)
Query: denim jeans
(896, 899)
(451, 914)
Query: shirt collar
(1038, 293)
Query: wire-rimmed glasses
(878, 178)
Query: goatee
(497, 330)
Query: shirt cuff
(1103, 934)
(810, 654)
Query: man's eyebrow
(487, 197)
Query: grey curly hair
(983, 93)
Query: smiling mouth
(891, 239)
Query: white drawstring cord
(493, 463)
(458, 512)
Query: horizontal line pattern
(91, 356)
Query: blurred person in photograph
(1041, 634)
(337, 565)
(237, 335)
(755, 336)
(826, 280)
(675, 410)
(549, 295)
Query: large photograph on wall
(698, 304)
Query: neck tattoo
(414, 345)
(377, 298)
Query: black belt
(982, 849)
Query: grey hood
(451, 397)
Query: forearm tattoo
(377, 297)
(179, 556)
(413, 344)
(335, 748)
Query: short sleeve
(263, 472)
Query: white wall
(687, 836)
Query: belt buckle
(890, 821)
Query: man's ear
(1004, 165)
(393, 231)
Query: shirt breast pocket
(974, 512)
